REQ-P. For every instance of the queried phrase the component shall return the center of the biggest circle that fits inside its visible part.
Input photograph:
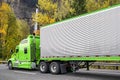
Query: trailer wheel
(55, 67)
(10, 66)
(44, 67)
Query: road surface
(20, 74)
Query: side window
(25, 50)
(17, 50)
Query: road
(20, 74)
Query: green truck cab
(26, 54)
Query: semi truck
(71, 44)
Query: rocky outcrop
(23, 9)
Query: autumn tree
(4, 10)
(64, 10)
(92, 5)
(52, 11)
(12, 30)
(113, 2)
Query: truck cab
(26, 54)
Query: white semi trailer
(95, 34)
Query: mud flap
(63, 68)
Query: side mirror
(11, 51)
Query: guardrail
(3, 62)
(99, 64)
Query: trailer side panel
(95, 34)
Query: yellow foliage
(50, 11)
(52, 21)
(5, 7)
(12, 30)
(47, 5)
(63, 9)
(92, 5)
(5, 11)
(2, 31)
(43, 19)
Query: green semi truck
(71, 44)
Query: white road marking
(25, 72)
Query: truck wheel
(44, 67)
(10, 66)
(55, 67)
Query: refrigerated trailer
(62, 47)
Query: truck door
(24, 53)
(16, 57)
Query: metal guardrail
(99, 64)
(106, 64)
(3, 62)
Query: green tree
(79, 6)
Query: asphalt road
(20, 74)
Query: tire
(55, 68)
(10, 66)
(44, 67)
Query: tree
(4, 10)
(92, 5)
(23, 29)
(12, 29)
(113, 2)
(64, 10)
(79, 6)
(52, 11)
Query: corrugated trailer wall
(95, 34)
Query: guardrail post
(98, 66)
(87, 64)
(116, 67)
